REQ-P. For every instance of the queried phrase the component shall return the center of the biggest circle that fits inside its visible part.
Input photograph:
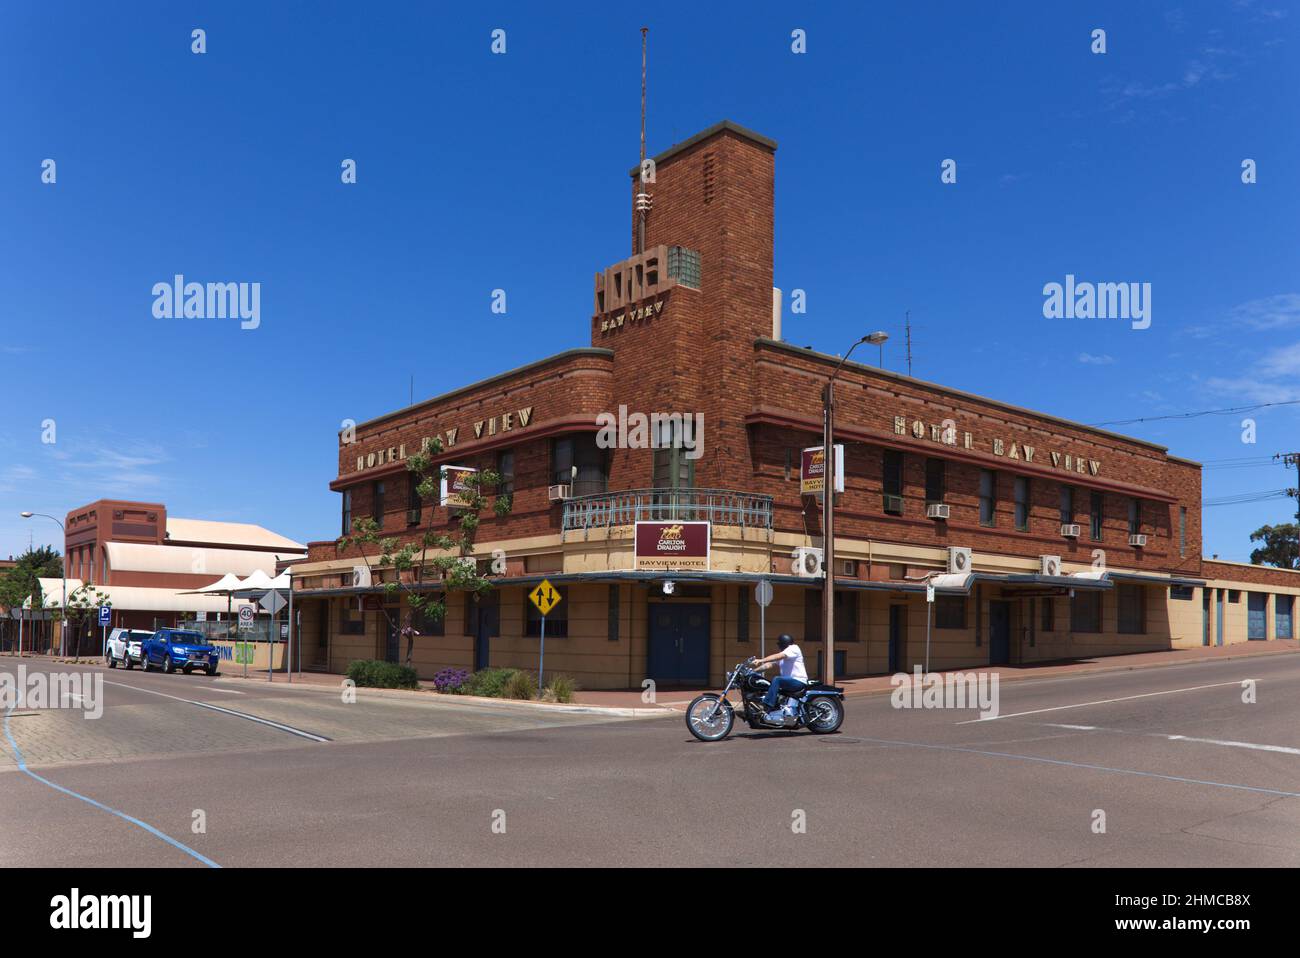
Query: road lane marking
(1081, 765)
(225, 711)
(1080, 705)
(1256, 746)
(22, 767)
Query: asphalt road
(1184, 772)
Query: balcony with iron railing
(720, 506)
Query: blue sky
(479, 171)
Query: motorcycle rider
(793, 674)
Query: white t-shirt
(792, 664)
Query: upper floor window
(1182, 530)
(414, 504)
(347, 512)
(377, 501)
(1095, 516)
(988, 496)
(1067, 505)
(1134, 517)
(892, 481)
(934, 481)
(674, 462)
(506, 470)
(1022, 503)
(578, 462)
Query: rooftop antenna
(642, 198)
(907, 319)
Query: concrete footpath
(631, 703)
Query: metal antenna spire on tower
(907, 319)
(642, 197)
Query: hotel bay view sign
(947, 434)
(672, 546)
(482, 428)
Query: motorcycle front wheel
(710, 717)
(825, 714)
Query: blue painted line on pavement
(22, 767)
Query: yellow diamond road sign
(546, 597)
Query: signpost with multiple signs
(544, 597)
(763, 596)
(272, 602)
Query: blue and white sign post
(105, 620)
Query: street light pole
(63, 566)
(829, 472)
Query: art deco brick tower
(682, 315)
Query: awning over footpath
(944, 583)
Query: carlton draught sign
(812, 470)
(453, 486)
(672, 546)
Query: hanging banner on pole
(812, 470)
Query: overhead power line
(1204, 412)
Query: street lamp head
(876, 338)
(26, 515)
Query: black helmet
(784, 640)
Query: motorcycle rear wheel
(827, 714)
(710, 717)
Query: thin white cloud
(1088, 359)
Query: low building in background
(148, 563)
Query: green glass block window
(684, 266)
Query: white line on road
(1284, 749)
(1080, 705)
(225, 711)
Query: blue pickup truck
(172, 649)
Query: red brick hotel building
(1062, 540)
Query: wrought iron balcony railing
(720, 506)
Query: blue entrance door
(897, 637)
(999, 633)
(679, 643)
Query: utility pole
(1292, 459)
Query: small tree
(451, 557)
(1281, 546)
(83, 604)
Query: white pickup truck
(124, 647)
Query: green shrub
(382, 675)
(562, 688)
(521, 685)
(487, 682)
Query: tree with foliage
(83, 606)
(448, 558)
(1281, 546)
(18, 583)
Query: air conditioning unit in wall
(808, 562)
(958, 559)
(1070, 530)
(361, 577)
(1049, 565)
(848, 568)
(937, 510)
(559, 493)
(1137, 540)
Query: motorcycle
(815, 706)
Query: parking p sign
(105, 615)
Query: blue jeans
(778, 684)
